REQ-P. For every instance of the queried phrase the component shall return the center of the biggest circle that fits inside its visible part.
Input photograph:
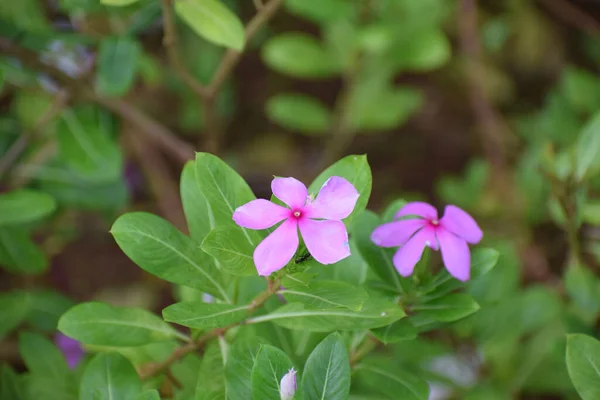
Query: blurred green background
(487, 105)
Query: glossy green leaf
(211, 380)
(15, 307)
(355, 169)
(299, 112)
(212, 20)
(109, 377)
(201, 315)
(326, 294)
(396, 331)
(24, 206)
(583, 363)
(392, 382)
(118, 59)
(160, 249)
(238, 369)
(101, 324)
(298, 55)
(196, 209)
(320, 11)
(387, 110)
(449, 308)
(587, 149)
(230, 246)
(269, 368)
(18, 253)
(118, 2)
(11, 386)
(326, 373)
(375, 313)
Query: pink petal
(277, 249)
(409, 255)
(291, 191)
(396, 233)
(260, 214)
(455, 254)
(327, 241)
(419, 209)
(335, 200)
(461, 224)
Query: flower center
(435, 222)
(297, 214)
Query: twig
(573, 16)
(258, 4)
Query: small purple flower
(287, 386)
(324, 234)
(70, 348)
(451, 234)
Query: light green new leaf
(101, 324)
(583, 364)
(326, 294)
(15, 306)
(24, 206)
(387, 110)
(19, 254)
(449, 308)
(299, 112)
(229, 245)
(425, 51)
(110, 377)
(118, 3)
(238, 369)
(388, 380)
(327, 371)
(355, 169)
(396, 331)
(375, 313)
(211, 379)
(269, 368)
(201, 315)
(587, 150)
(212, 20)
(162, 250)
(118, 60)
(196, 209)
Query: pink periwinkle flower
(70, 348)
(288, 385)
(319, 221)
(451, 234)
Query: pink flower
(319, 221)
(450, 234)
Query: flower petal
(327, 241)
(335, 200)
(419, 209)
(396, 233)
(409, 255)
(291, 191)
(259, 214)
(455, 254)
(277, 249)
(461, 224)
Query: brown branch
(573, 16)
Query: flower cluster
(415, 226)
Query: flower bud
(287, 386)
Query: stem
(368, 345)
(573, 16)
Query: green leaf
(101, 324)
(15, 306)
(587, 149)
(320, 11)
(388, 380)
(196, 209)
(11, 387)
(211, 380)
(160, 249)
(212, 20)
(24, 206)
(149, 395)
(375, 313)
(19, 254)
(583, 287)
(396, 331)
(42, 357)
(118, 59)
(201, 315)
(449, 308)
(230, 246)
(109, 377)
(326, 294)
(238, 369)
(269, 368)
(327, 371)
(357, 171)
(299, 112)
(46, 308)
(583, 364)
(424, 51)
(387, 110)
(118, 3)
(298, 55)
(581, 88)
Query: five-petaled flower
(451, 234)
(324, 234)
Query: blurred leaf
(327, 294)
(298, 55)
(583, 288)
(211, 380)
(467, 191)
(24, 205)
(110, 377)
(229, 245)
(118, 2)
(28, 15)
(149, 395)
(540, 306)
(18, 253)
(238, 369)
(496, 32)
(581, 88)
(583, 363)
(11, 387)
(42, 357)
(29, 106)
(46, 307)
(118, 60)
(320, 11)
(299, 112)
(591, 212)
(213, 21)
(352, 269)
(160, 249)
(15, 306)
(195, 207)
(269, 368)
(387, 110)
(101, 324)
(385, 379)
(587, 149)
(375, 313)
(355, 169)
(327, 371)
(202, 315)
(449, 308)
(395, 332)
(425, 51)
